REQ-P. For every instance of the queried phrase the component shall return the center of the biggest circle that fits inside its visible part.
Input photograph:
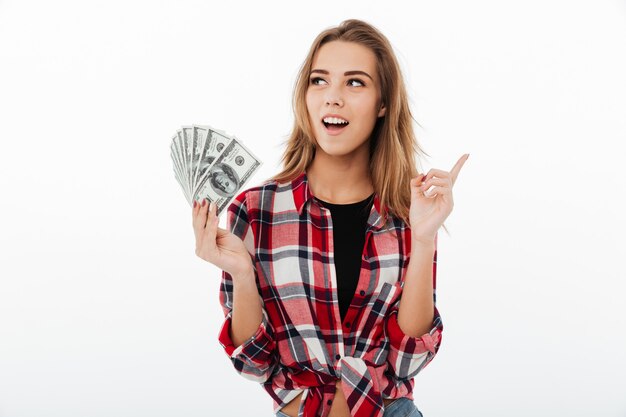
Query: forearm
(247, 309)
(416, 310)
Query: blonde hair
(393, 145)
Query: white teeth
(335, 120)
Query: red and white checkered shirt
(302, 345)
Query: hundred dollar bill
(228, 173)
(178, 157)
(203, 152)
(178, 172)
(214, 145)
(201, 138)
(181, 143)
(187, 132)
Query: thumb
(416, 184)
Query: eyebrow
(345, 73)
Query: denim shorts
(402, 407)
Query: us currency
(187, 132)
(181, 151)
(214, 145)
(201, 138)
(183, 146)
(179, 164)
(178, 171)
(227, 174)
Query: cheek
(311, 107)
(308, 103)
(369, 110)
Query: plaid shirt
(301, 344)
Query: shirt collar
(302, 194)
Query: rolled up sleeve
(255, 358)
(408, 355)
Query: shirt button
(329, 402)
(348, 324)
(338, 357)
(362, 292)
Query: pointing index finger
(457, 167)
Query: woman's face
(343, 87)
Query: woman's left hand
(429, 211)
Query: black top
(349, 223)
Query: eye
(356, 80)
(315, 80)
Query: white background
(106, 311)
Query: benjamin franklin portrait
(224, 180)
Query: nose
(334, 101)
(333, 97)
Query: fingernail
(203, 202)
(194, 203)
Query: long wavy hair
(393, 145)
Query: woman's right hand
(218, 246)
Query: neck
(340, 180)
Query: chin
(338, 146)
(338, 150)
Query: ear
(382, 110)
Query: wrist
(422, 240)
(244, 277)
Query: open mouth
(334, 124)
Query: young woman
(317, 259)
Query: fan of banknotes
(208, 163)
